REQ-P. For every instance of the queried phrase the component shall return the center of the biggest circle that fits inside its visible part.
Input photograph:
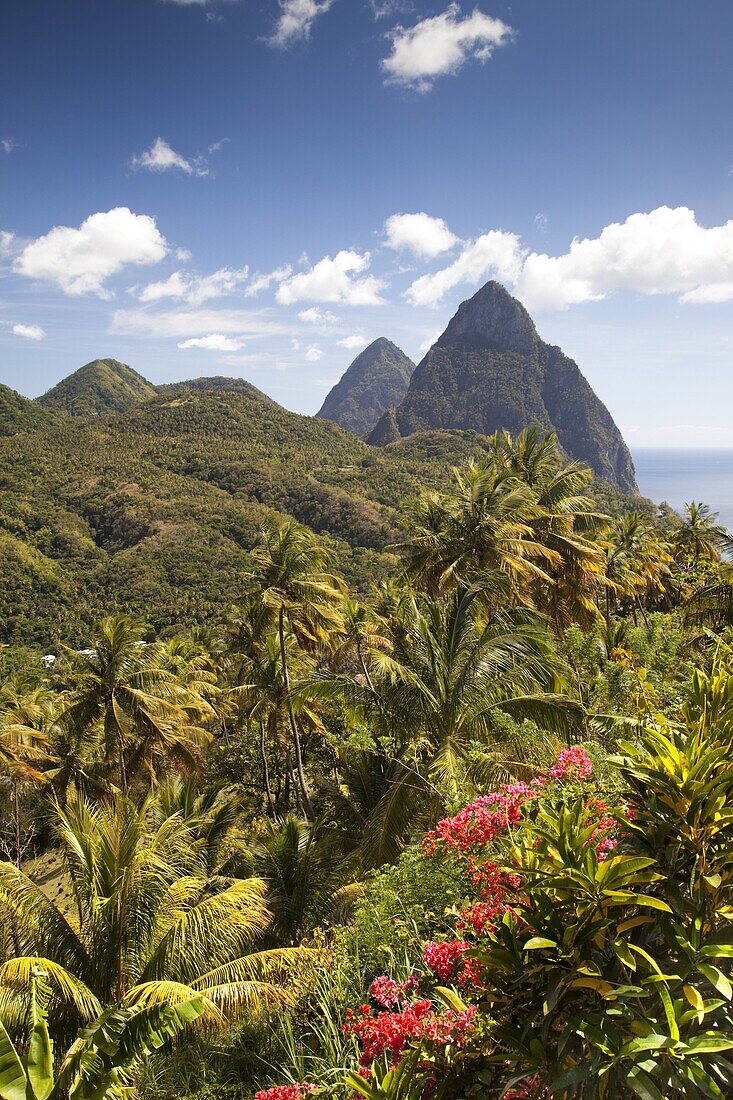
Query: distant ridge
(490, 371)
(102, 386)
(377, 379)
(20, 414)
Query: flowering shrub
(389, 1032)
(445, 959)
(286, 1092)
(593, 942)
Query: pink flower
(572, 764)
(444, 958)
(286, 1092)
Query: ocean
(681, 475)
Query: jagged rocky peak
(492, 320)
(377, 379)
(490, 370)
(102, 386)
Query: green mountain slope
(102, 386)
(490, 370)
(154, 510)
(19, 414)
(377, 379)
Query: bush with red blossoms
(445, 959)
(572, 763)
(388, 1033)
(286, 1092)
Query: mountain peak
(102, 386)
(491, 320)
(377, 379)
(491, 371)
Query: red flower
(286, 1092)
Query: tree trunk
(307, 803)
(364, 668)
(266, 773)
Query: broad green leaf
(538, 942)
(717, 979)
(40, 1049)
(13, 1080)
(642, 1084)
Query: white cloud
(385, 9)
(215, 341)
(495, 252)
(8, 144)
(194, 289)
(296, 19)
(264, 282)
(7, 242)
(327, 383)
(314, 354)
(665, 251)
(421, 234)
(430, 340)
(541, 222)
(441, 45)
(351, 343)
(182, 323)
(317, 316)
(183, 255)
(81, 260)
(29, 331)
(332, 280)
(160, 157)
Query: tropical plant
(699, 535)
(142, 923)
(102, 1060)
(299, 594)
(131, 701)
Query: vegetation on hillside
(457, 826)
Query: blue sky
(379, 161)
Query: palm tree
(27, 721)
(568, 526)
(438, 696)
(260, 700)
(481, 528)
(102, 1060)
(292, 579)
(699, 535)
(637, 562)
(143, 923)
(307, 881)
(131, 699)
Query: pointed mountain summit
(490, 370)
(377, 378)
(102, 386)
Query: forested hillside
(363, 838)
(154, 510)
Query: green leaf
(717, 979)
(40, 1048)
(13, 1080)
(640, 1083)
(538, 942)
(709, 1043)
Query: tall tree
(699, 535)
(129, 694)
(294, 581)
(144, 922)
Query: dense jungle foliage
(450, 820)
